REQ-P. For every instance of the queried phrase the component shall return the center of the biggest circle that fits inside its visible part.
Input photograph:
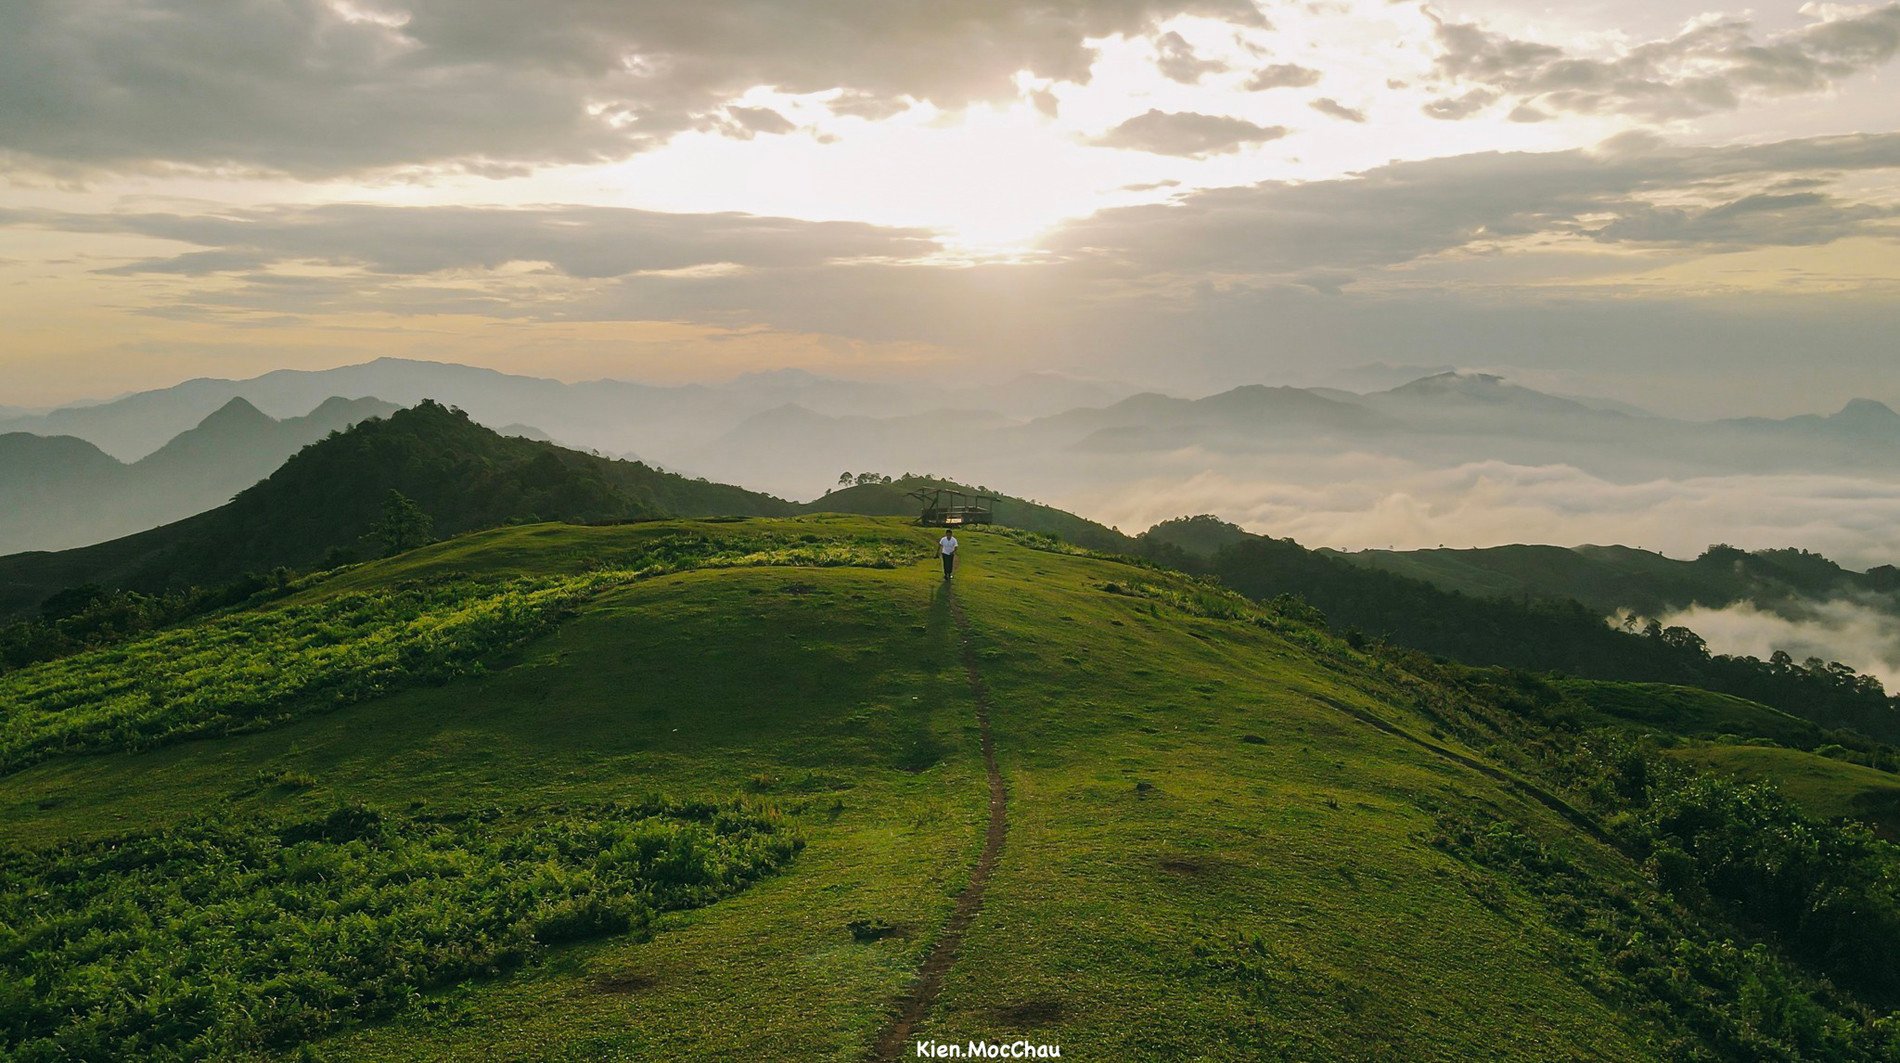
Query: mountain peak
(1867, 413)
(1458, 380)
(237, 415)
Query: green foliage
(403, 525)
(1716, 998)
(1828, 893)
(241, 671)
(91, 616)
(223, 937)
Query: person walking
(947, 546)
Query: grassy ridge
(334, 645)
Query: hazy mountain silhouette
(609, 415)
(66, 492)
(321, 503)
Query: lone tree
(404, 526)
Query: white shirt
(947, 544)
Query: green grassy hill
(718, 790)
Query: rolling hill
(772, 789)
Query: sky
(1692, 208)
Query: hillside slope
(1542, 634)
(1223, 835)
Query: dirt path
(923, 991)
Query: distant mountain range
(62, 491)
(609, 415)
(1440, 421)
(790, 433)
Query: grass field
(1209, 856)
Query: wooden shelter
(947, 507)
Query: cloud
(1326, 105)
(1863, 636)
(1177, 60)
(321, 87)
(1713, 64)
(584, 242)
(753, 120)
(1283, 76)
(1187, 133)
(1237, 284)
(1452, 108)
(1359, 501)
(1632, 192)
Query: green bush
(222, 937)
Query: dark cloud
(1455, 107)
(582, 242)
(1283, 76)
(1187, 133)
(317, 87)
(760, 120)
(1177, 60)
(1332, 108)
(1633, 190)
(1785, 219)
(1713, 65)
(1408, 210)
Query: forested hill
(1616, 578)
(324, 501)
(892, 499)
(1547, 635)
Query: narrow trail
(923, 991)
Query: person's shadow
(941, 621)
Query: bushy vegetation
(1718, 999)
(223, 937)
(1827, 893)
(89, 616)
(244, 670)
